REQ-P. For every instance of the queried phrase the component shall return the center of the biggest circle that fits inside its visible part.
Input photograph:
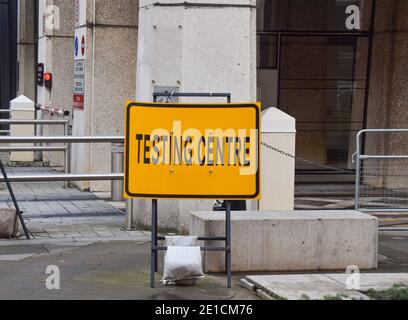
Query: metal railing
(35, 123)
(40, 147)
(381, 179)
(8, 113)
(68, 141)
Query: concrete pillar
(277, 170)
(22, 108)
(387, 105)
(55, 48)
(194, 47)
(105, 55)
(27, 49)
(398, 143)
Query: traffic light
(40, 74)
(48, 80)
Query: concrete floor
(120, 270)
(114, 270)
(96, 267)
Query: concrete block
(375, 281)
(291, 241)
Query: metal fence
(68, 141)
(35, 123)
(382, 179)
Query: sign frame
(132, 104)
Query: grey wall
(27, 48)
(388, 101)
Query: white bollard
(22, 108)
(278, 170)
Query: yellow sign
(192, 151)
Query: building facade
(336, 66)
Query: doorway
(314, 69)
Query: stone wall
(111, 28)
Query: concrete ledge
(291, 241)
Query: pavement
(102, 268)
(52, 211)
(52, 199)
(84, 235)
(116, 270)
(322, 286)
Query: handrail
(30, 149)
(359, 135)
(69, 139)
(358, 157)
(33, 122)
(64, 177)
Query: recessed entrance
(316, 70)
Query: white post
(278, 170)
(22, 108)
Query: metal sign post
(229, 174)
(155, 239)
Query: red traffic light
(48, 80)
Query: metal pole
(358, 172)
(129, 213)
(154, 244)
(156, 241)
(25, 149)
(34, 122)
(117, 167)
(70, 139)
(13, 197)
(227, 249)
(228, 244)
(65, 177)
(67, 155)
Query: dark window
(310, 15)
(8, 51)
(267, 51)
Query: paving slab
(303, 287)
(16, 257)
(53, 199)
(376, 281)
(113, 270)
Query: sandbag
(182, 263)
(179, 241)
(8, 223)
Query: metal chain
(316, 164)
(313, 163)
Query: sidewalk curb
(71, 241)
